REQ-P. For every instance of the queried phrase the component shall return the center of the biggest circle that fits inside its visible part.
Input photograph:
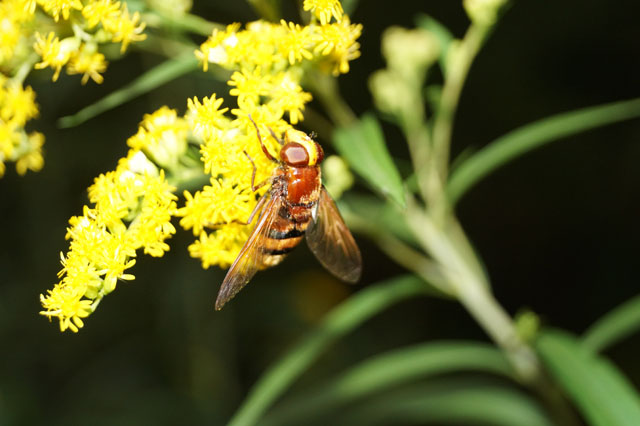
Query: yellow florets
(324, 9)
(88, 63)
(274, 47)
(57, 8)
(94, 22)
(131, 211)
(17, 106)
(162, 136)
(207, 116)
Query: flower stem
(471, 290)
(326, 88)
(461, 59)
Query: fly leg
(264, 148)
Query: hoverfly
(297, 204)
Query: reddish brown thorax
(301, 156)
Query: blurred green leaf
(340, 321)
(621, 322)
(601, 392)
(362, 144)
(387, 370)
(450, 401)
(379, 214)
(441, 32)
(155, 77)
(531, 136)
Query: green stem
(184, 22)
(416, 131)
(25, 68)
(461, 59)
(401, 253)
(326, 89)
(473, 293)
(314, 121)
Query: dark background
(557, 230)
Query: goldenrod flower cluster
(268, 62)
(17, 106)
(56, 34)
(93, 22)
(274, 47)
(132, 209)
(74, 30)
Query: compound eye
(294, 154)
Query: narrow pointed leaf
(340, 321)
(451, 401)
(621, 322)
(389, 370)
(155, 77)
(531, 136)
(362, 144)
(601, 392)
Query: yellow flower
(124, 28)
(324, 9)
(207, 116)
(214, 49)
(54, 53)
(88, 63)
(162, 136)
(295, 43)
(288, 95)
(98, 11)
(66, 303)
(17, 106)
(338, 44)
(132, 211)
(56, 8)
(220, 247)
(249, 86)
(12, 18)
(31, 158)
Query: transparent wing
(332, 243)
(250, 258)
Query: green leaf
(441, 33)
(391, 369)
(340, 321)
(524, 139)
(155, 77)
(379, 214)
(601, 392)
(363, 147)
(621, 322)
(450, 401)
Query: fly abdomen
(285, 234)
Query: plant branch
(473, 293)
(457, 70)
(326, 89)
